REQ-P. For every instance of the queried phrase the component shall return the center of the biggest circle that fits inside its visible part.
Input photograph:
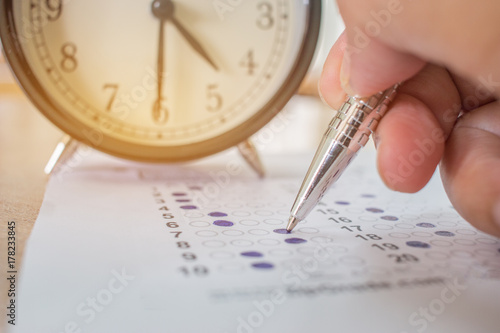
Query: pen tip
(292, 222)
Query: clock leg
(250, 154)
(63, 151)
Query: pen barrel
(347, 133)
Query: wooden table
(26, 142)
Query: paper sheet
(128, 247)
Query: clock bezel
(96, 139)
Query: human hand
(446, 52)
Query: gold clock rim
(140, 152)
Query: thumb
(370, 66)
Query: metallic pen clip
(347, 133)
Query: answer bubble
(199, 224)
(322, 239)
(223, 223)
(425, 225)
(252, 254)
(193, 214)
(444, 233)
(233, 233)
(486, 241)
(466, 242)
(274, 221)
(281, 231)
(374, 210)
(467, 232)
(269, 242)
(404, 226)
(308, 230)
(383, 227)
(214, 243)
(258, 232)
(217, 214)
(242, 242)
(241, 213)
(249, 223)
(295, 240)
(263, 265)
(418, 244)
(206, 233)
(179, 194)
(264, 212)
(343, 203)
(441, 243)
(189, 207)
(399, 235)
(422, 234)
(222, 255)
(447, 224)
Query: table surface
(26, 142)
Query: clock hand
(162, 10)
(193, 42)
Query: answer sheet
(200, 247)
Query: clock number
(114, 90)
(249, 63)
(69, 62)
(266, 20)
(160, 112)
(55, 8)
(214, 103)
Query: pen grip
(358, 118)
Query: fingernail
(376, 139)
(320, 93)
(345, 76)
(496, 213)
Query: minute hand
(193, 42)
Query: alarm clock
(159, 80)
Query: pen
(347, 133)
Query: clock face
(162, 79)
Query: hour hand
(193, 42)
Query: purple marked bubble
(281, 231)
(375, 210)
(389, 218)
(368, 195)
(183, 200)
(445, 233)
(263, 265)
(179, 194)
(425, 225)
(253, 254)
(223, 223)
(217, 214)
(345, 203)
(189, 207)
(295, 240)
(418, 244)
